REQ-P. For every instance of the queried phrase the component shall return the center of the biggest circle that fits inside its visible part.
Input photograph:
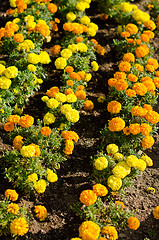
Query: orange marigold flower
(89, 230)
(112, 81)
(142, 51)
(120, 75)
(130, 93)
(147, 142)
(103, 16)
(126, 131)
(46, 131)
(9, 126)
(148, 107)
(153, 62)
(140, 88)
(131, 28)
(156, 82)
(11, 194)
(88, 197)
(43, 29)
(9, 11)
(13, 119)
(40, 212)
(145, 128)
(18, 37)
(52, 92)
(150, 68)
(37, 149)
(19, 226)
(129, 57)
(69, 90)
(125, 34)
(139, 67)
(79, 39)
(130, 40)
(82, 74)
(124, 66)
(69, 69)
(138, 111)
(68, 26)
(100, 190)
(133, 223)
(114, 107)
(69, 146)
(26, 121)
(149, 85)
(145, 38)
(150, 25)
(116, 124)
(121, 85)
(2, 31)
(145, 79)
(134, 128)
(17, 142)
(70, 83)
(55, 50)
(157, 73)
(120, 204)
(70, 135)
(99, 49)
(156, 212)
(52, 7)
(132, 77)
(13, 208)
(110, 232)
(149, 33)
(80, 94)
(80, 87)
(75, 76)
(152, 117)
(88, 105)
(94, 41)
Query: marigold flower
(72, 116)
(121, 169)
(52, 103)
(140, 88)
(118, 156)
(13, 119)
(89, 230)
(18, 37)
(88, 197)
(156, 212)
(156, 82)
(119, 203)
(126, 131)
(19, 226)
(125, 34)
(40, 186)
(148, 107)
(114, 182)
(26, 121)
(150, 25)
(124, 66)
(142, 51)
(114, 107)
(130, 93)
(134, 128)
(141, 165)
(101, 163)
(132, 77)
(27, 151)
(147, 142)
(13, 208)
(121, 85)
(17, 142)
(11, 194)
(132, 160)
(112, 148)
(52, 92)
(60, 63)
(133, 223)
(139, 67)
(49, 118)
(131, 28)
(116, 124)
(75, 76)
(9, 126)
(100, 190)
(69, 69)
(149, 33)
(52, 7)
(69, 146)
(80, 94)
(51, 176)
(110, 232)
(152, 117)
(88, 105)
(40, 212)
(112, 82)
(11, 72)
(129, 57)
(70, 135)
(32, 177)
(94, 66)
(145, 128)
(55, 50)
(46, 131)
(145, 38)
(147, 159)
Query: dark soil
(62, 223)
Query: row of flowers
(132, 93)
(39, 149)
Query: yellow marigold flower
(27, 45)
(33, 58)
(131, 28)
(44, 57)
(32, 177)
(88, 105)
(100, 190)
(31, 68)
(65, 108)
(116, 124)
(70, 98)
(133, 223)
(13, 208)
(156, 212)
(140, 88)
(141, 165)
(60, 97)
(60, 63)
(147, 159)
(49, 118)
(119, 203)
(11, 72)
(89, 230)
(88, 77)
(134, 128)
(2, 68)
(11, 194)
(91, 32)
(19, 226)
(118, 156)
(66, 53)
(17, 142)
(82, 47)
(40, 186)
(40, 212)
(101, 163)
(72, 116)
(69, 146)
(94, 66)
(112, 148)
(27, 151)
(85, 20)
(114, 182)
(147, 142)
(121, 169)
(45, 98)
(132, 160)
(152, 117)
(129, 57)
(88, 197)
(114, 107)
(125, 7)
(51, 176)
(70, 16)
(26, 121)
(110, 232)
(52, 103)
(5, 82)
